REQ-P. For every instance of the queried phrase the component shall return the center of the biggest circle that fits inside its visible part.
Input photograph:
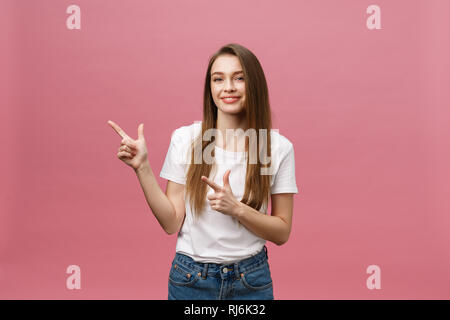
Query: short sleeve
(174, 167)
(284, 180)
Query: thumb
(141, 132)
(226, 179)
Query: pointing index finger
(213, 185)
(118, 129)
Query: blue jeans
(248, 279)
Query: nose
(229, 85)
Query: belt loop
(205, 271)
(265, 249)
(236, 270)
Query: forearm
(157, 200)
(271, 228)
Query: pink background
(366, 110)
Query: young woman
(217, 194)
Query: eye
(221, 79)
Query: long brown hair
(258, 115)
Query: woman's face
(227, 80)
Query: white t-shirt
(216, 237)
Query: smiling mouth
(230, 100)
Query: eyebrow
(240, 71)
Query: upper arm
(282, 207)
(175, 193)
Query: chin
(232, 109)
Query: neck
(231, 121)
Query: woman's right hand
(132, 152)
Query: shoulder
(280, 144)
(186, 133)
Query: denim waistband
(214, 269)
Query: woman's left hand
(222, 199)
